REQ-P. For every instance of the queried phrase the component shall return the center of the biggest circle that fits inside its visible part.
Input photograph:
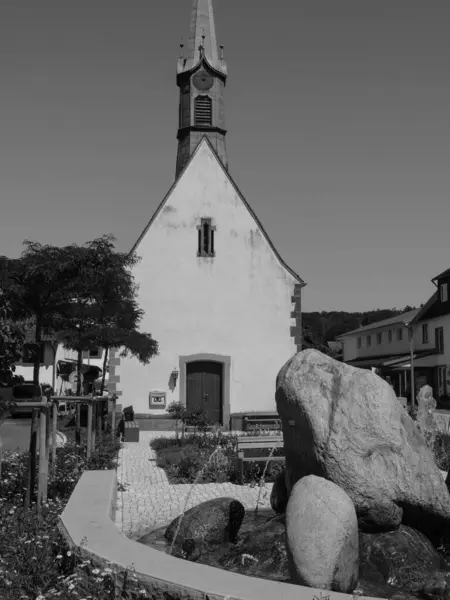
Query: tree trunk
(105, 364)
(37, 359)
(79, 363)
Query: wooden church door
(204, 389)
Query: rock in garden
(322, 536)
(346, 425)
(278, 496)
(402, 558)
(211, 522)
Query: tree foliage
(85, 294)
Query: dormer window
(444, 292)
(206, 232)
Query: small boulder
(211, 522)
(279, 496)
(346, 425)
(322, 536)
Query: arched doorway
(204, 385)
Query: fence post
(54, 428)
(113, 417)
(43, 465)
(99, 420)
(78, 423)
(94, 423)
(89, 430)
(32, 458)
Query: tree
(36, 287)
(11, 346)
(102, 308)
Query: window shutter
(203, 111)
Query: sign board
(157, 399)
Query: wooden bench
(130, 431)
(257, 442)
(261, 421)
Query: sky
(338, 115)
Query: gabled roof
(426, 307)
(406, 317)
(441, 275)
(244, 201)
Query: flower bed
(183, 458)
(35, 562)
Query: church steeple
(201, 77)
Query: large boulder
(322, 536)
(210, 522)
(346, 425)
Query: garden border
(87, 524)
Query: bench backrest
(260, 441)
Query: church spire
(202, 41)
(201, 77)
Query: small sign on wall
(157, 400)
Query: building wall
(239, 305)
(352, 352)
(45, 371)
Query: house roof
(237, 190)
(426, 307)
(393, 361)
(441, 275)
(404, 318)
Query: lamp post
(411, 359)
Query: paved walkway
(149, 501)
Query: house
(57, 363)
(387, 346)
(222, 304)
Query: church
(219, 299)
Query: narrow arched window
(206, 232)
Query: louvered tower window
(203, 111)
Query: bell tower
(201, 77)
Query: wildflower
(59, 557)
(69, 553)
(95, 571)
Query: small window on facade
(444, 292)
(203, 111)
(358, 343)
(206, 233)
(379, 338)
(95, 353)
(425, 333)
(368, 340)
(390, 336)
(399, 334)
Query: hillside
(322, 327)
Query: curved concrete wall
(87, 525)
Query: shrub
(35, 561)
(183, 459)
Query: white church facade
(223, 306)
